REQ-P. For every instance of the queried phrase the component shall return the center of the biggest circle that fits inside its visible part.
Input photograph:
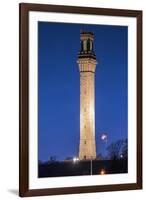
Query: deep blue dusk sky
(59, 87)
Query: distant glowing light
(102, 172)
(104, 136)
(121, 156)
(75, 159)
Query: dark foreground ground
(69, 168)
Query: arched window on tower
(91, 45)
(81, 46)
(85, 45)
(88, 45)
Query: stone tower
(87, 65)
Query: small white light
(104, 136)
(75, 159)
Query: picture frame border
(24, 9)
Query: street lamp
(121, 156)
(75, 159)
(104, 138)
(91, 167)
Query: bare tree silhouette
(116, 149)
